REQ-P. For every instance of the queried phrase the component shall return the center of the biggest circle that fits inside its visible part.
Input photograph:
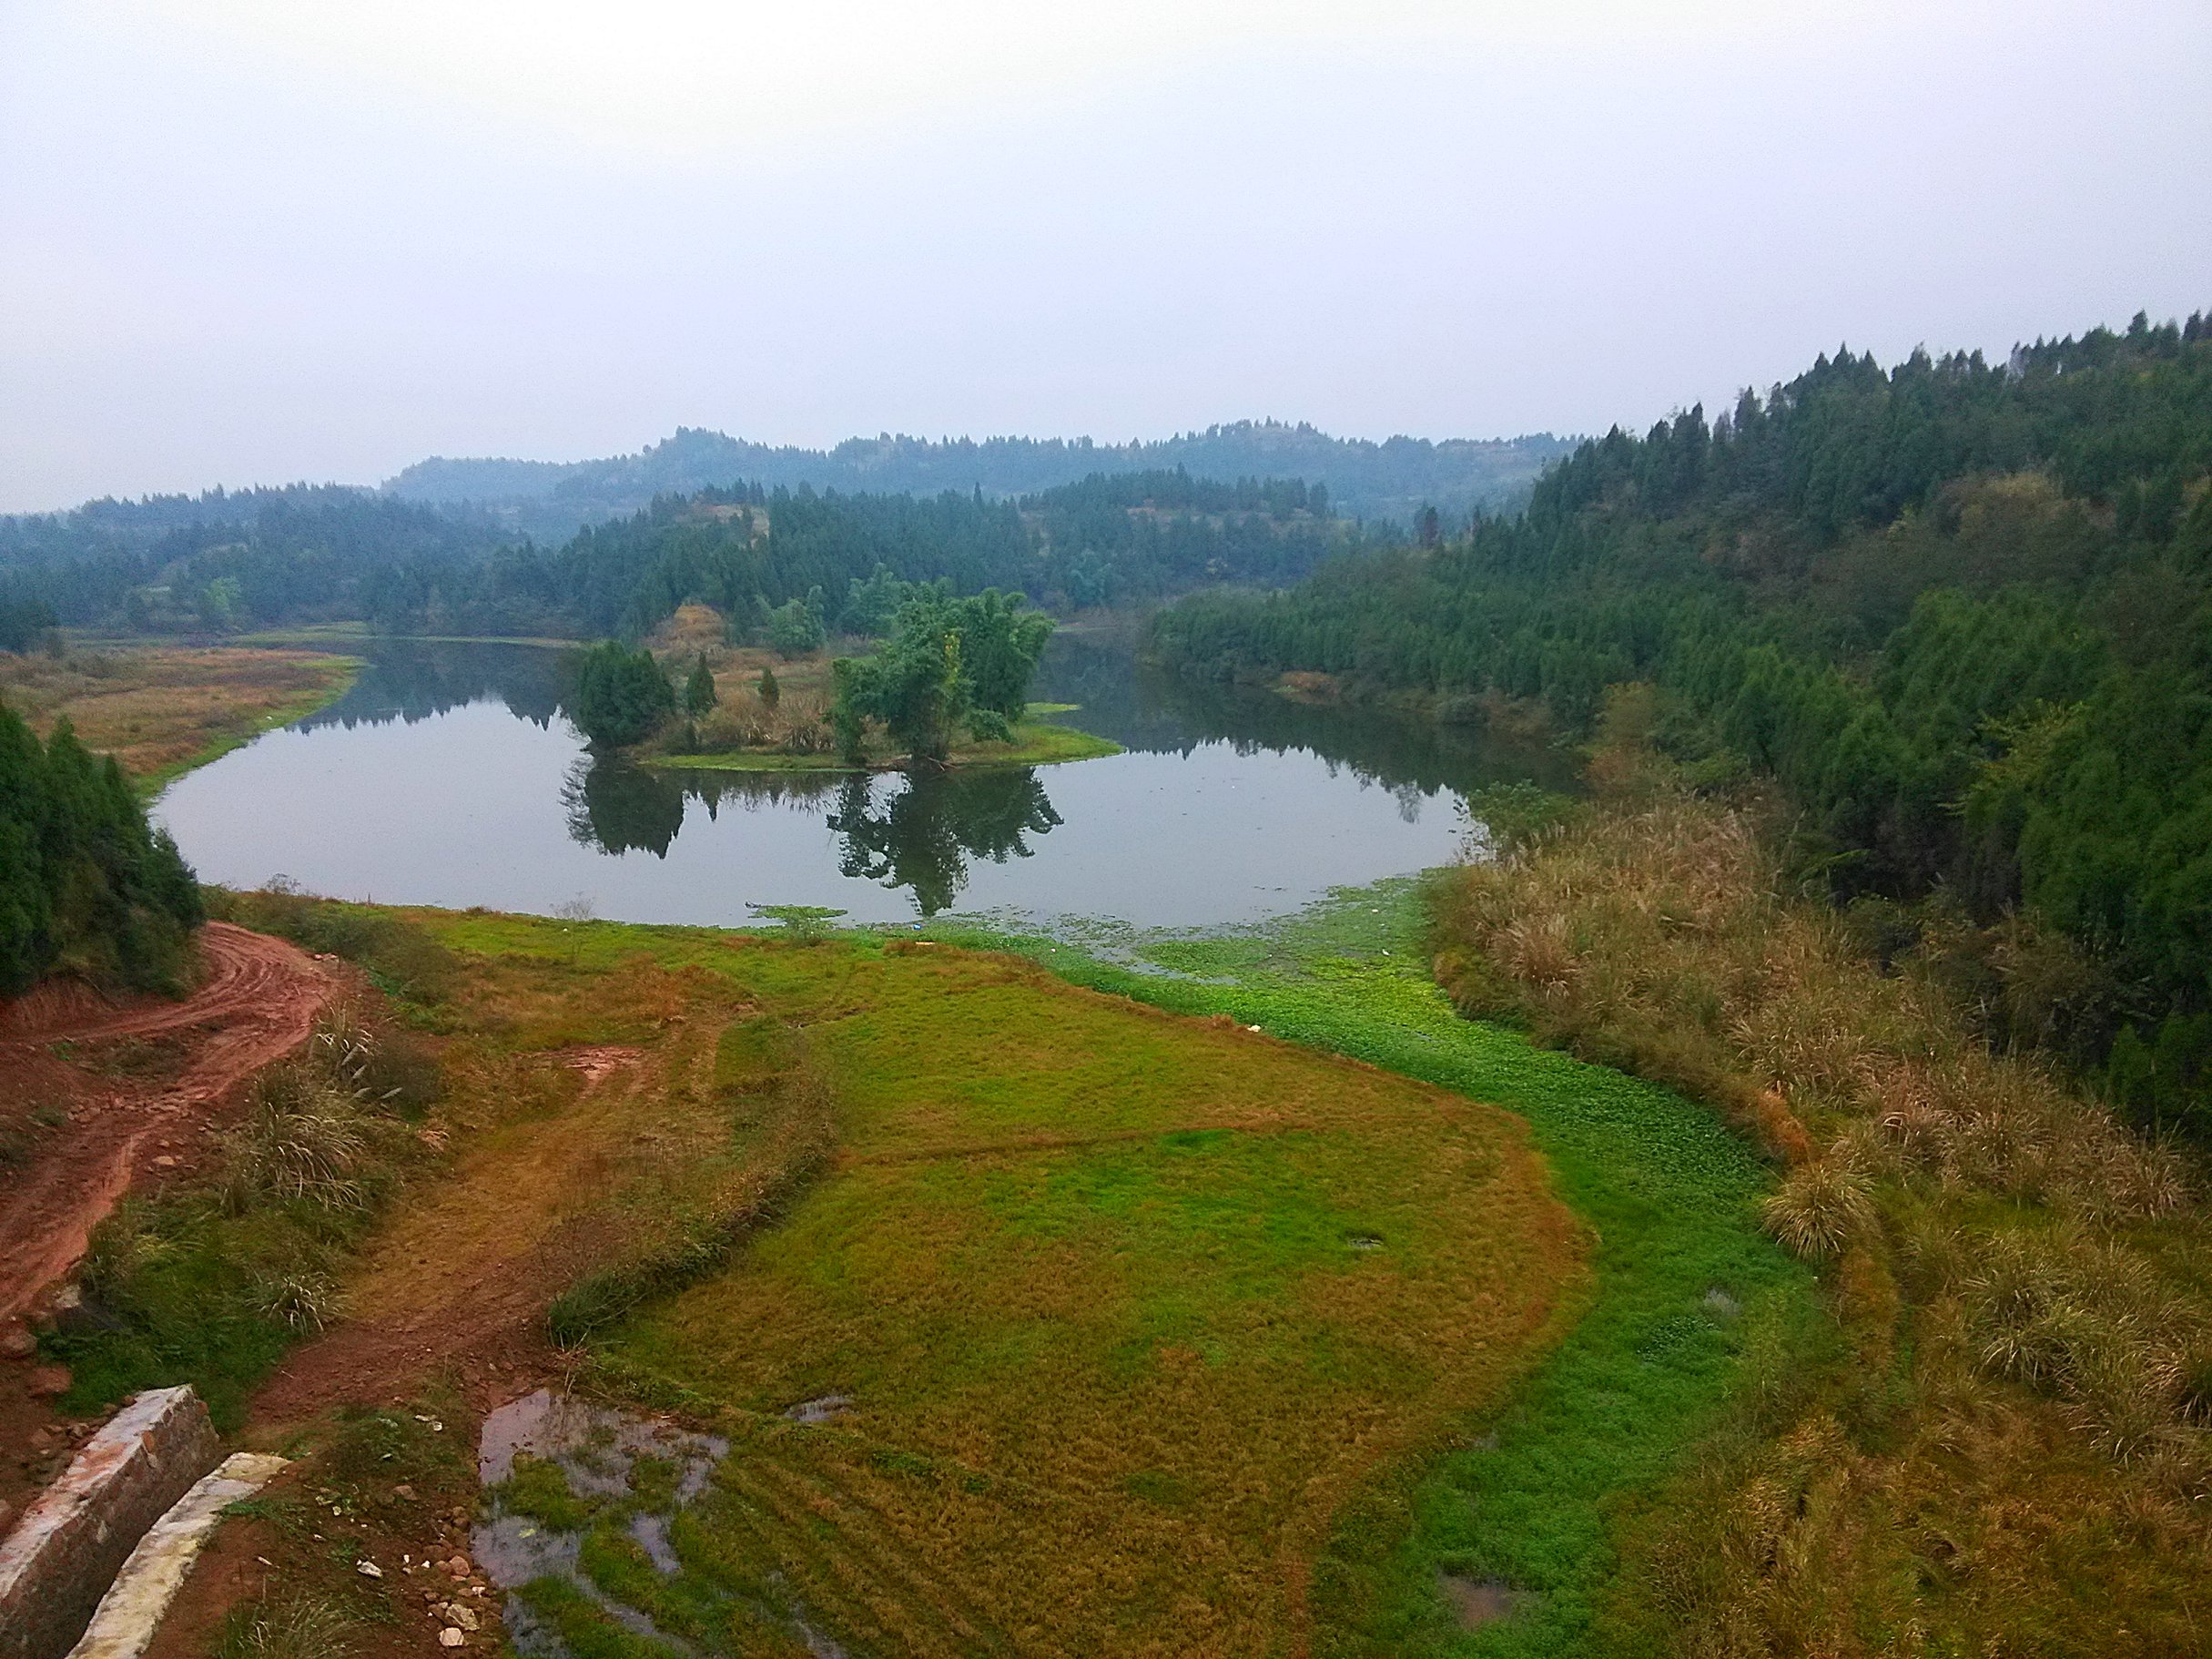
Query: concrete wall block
(131, 1611)
(66, 1551)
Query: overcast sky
(255, 241)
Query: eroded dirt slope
(258, 1000)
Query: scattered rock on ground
(46, 1381)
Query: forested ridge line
(1962, 610)
(220, 563)
(1388, 479)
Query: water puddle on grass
(556, 1467)
(1478, 1602)
(821, 1409)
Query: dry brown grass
(796, 723)
(2006, 1449)
(162, 710)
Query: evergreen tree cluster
(622, 695)
(225, 560)
(85, 883)
(23, 622)
(1963, 610)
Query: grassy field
(1132, 1310)
(1095, 1286)
(1692, 1312)
(163, 709)
(1126, 1306)
(1156, 1334)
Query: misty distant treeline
(1392, 480)
(223, 563)
(1962, 610)
(748, 551)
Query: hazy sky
(249, 240)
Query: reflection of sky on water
(470, 803)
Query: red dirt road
(258, 1001)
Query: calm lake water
(449, 775)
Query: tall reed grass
(2021, 1280)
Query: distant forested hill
(748, 551)
(219, 562)
(222, 561)
(1962, 610)
(1392, 480)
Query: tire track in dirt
(259, 1000)
(465, 1273)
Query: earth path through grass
(1692, 1303)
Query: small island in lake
(946, 688)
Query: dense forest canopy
(314, 554)
(1390, 480)
(1963, 610)
(225, 560)
(84, 882)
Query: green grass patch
(538, 1487)
(1536, 1494)
(586, 1629)
(1035, 743)
(752, 1053)
(1088, 1280)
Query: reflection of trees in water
(616, 807)
(919, 833)
(1151, 709)
(922, 837)
(750, 791)
(412, 680)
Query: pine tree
(699, 690)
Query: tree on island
(948, 664)
(771, 692)
(621, 696)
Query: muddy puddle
(573, 1485)
(1478, 1602)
